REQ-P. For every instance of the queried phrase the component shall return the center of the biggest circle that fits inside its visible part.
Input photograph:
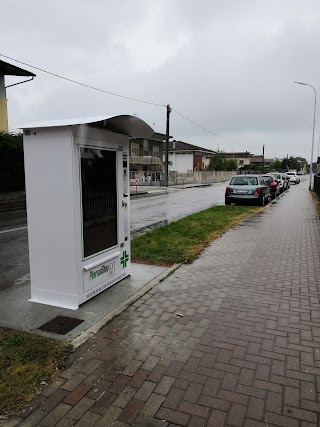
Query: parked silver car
(247, 189)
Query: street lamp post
(318, 139)
(313, 127)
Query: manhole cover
(60, 325)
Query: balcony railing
(145, 160)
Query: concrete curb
(106, 319)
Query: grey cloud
(230, 66)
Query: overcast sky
(229, 66)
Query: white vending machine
(78, 193)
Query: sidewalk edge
(107, 318)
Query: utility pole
(263, 159)
(166, 161)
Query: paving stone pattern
(245, 352)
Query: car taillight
(259, 190)
(228, 190)
(272, 184)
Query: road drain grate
(60, 325)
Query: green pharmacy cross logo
(124, 259)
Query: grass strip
(182, 241)
(26, 364)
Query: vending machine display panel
(99, 200)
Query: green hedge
(11, 162)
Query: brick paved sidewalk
(230, 340)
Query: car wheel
(261, 202)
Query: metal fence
(316, 186)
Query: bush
(219, 163)
(11, 162)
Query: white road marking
(13, 229)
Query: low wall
(176, 178)
(204, 177)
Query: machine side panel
(50, 208)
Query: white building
(184, 157)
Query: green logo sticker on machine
(109, 270)
(124, 259)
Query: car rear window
(245, 180)
(268, 179)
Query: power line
(212, 133)
(83, 84)
(276, 154)
(126, 97)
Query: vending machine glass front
(99, 200)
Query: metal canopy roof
(11, 70)
(124, 124)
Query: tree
(285, 164)
(11, 162)
(293, 163)
(217, 162)
(290, 163)
(231, 164)
(275, 165)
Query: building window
(241, 162)
(145, 147)
(134, 149)
(155, 151)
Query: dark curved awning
(11, 70)
(124, 124)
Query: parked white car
(294, 178)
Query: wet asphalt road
(14, 256)
(146, 213)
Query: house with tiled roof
(184, 157)
(245, 158)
